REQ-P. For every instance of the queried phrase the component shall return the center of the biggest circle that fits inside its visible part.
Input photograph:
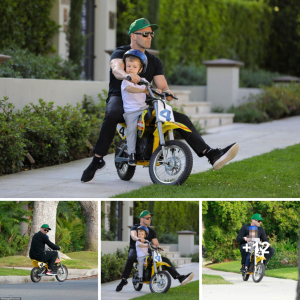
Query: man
(141, 33)
(243, 238)
(145, 220)
(37, 249)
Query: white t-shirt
(141, 251)
(133, 101)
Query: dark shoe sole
(94, 174)
(188, 279)
(132, 164)
(224, 159)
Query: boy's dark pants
(132, 258)
(267, 255)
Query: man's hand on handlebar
(134, 78)
(169, 98)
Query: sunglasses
(46, 230)
(259, 221)
(148, 218)
(145, 33)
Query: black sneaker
(132, 159)
(121, 284)
(219, 157)
(184, 279)
(242, 269)
(89, 173)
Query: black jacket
(38, 245)
(244, 232)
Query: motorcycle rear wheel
(136, 286)
(61, 277)
(260, 272)
(125, 172)
(179, 164)
(34, 275)
(160, 282)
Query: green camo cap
(145, 213)
(257, 217)
(45, 226)
(141, 24)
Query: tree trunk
(90, 209)
(44, 212)
(298, 287)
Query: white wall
(198, 92)
(112, 246)
(244, 93)
(23, 91)
(127, 220)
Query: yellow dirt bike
(256, 266)
(159, 281)
(40, 269)
(170, 162)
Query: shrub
(169, 238)
(25, 64)
(113, 265)
(187, 75)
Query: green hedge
(25, 64)
(209, 29)
(27, 24)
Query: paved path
(108, 290)
(63, 181)
(269, 288)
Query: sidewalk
(63, 181)
(73, 274)
(269, 288)
(108, 290)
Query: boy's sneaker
(121, 284)
(51, 273)
(132, 159)
(219, 157)
(242, 269)
(89, 173)
(184, 279)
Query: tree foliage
(223, 220)
(27, 24)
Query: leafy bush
(169, 238)
(107, 235)
(113, 265)
(187, 75)
(25, 64)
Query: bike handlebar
(151, 247)
(163, 94)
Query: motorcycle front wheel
(260, 272)
(124, 171)
(178, 165)
(34, 275)
(62, 276)
(137, 286)
(160, 282)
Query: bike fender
(158, 264)
(171, 125)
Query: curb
(73, 274)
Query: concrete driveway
(63, 181)
(108, 290)
(269, 288)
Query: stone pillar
(286, 79)
(105, 36)
(186, 242)
(223, 82)
(127, 220)
(60, 14)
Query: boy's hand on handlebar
(134, 78)
(143, 240)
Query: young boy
(253, 238)
(134, 98)
(141, 250)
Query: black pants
(132, 258)
(114, 115)
(49, 257)
(267, 255)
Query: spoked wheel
(178, 167)
(34, 275)
(124, 171)
(160, 282)
(260, 272)
(62, 273)
(245, 276)
(136, 285)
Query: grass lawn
(214, 279)
(81, 260)
(13, 272)
(273, 174)
(234, 266)
(187, 292)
